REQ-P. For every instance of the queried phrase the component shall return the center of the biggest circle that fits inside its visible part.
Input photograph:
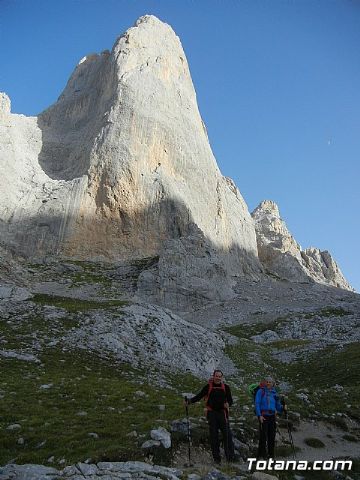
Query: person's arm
(200, 395)
(229, 398)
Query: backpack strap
(211, 387)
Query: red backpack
(213, 387)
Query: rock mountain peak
(267, 207)
(142, 255)
(121, 164)
(5, 104)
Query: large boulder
(189, 274)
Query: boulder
(162, 435)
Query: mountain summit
(121, 165)
(121, 162)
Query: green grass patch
(90, 273)
(84, 278)
(86, 395)
(249, 358)
(23, 332)
(74, 304)
(328, 312)
(145, 263)
(250, 329)
(289, 343)
(331, 366)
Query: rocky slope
(87, 353)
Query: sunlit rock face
(121, 165)
(121, 162)
(282, 255)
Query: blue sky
(277, 85)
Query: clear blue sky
(278, 86)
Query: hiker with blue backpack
(218, 399)
(267, 405)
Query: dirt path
(335, 446)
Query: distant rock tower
(282, 255)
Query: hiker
(218, 399)
(267, 404)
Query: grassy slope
(80, 382)
(51, 419)
(319, 373)
(51, 423)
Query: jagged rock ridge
(282, 255)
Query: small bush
(338, 422)
(314, 442)
(285, 451)
(350, 438)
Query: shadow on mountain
(71, 126)
(65, 152)
(119, 237)
(186, 271)
(188, 261)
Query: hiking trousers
(217, 420)
(267, 434)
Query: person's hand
(226, 406)
(261, 419)
(285, 407)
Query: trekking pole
(262, 443)
(291, 437)
(188, 430)
(280, 434)
(289, 430)
(227, 426)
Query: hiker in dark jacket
(218, 400)
(267, 404)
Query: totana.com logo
(302, 465)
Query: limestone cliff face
(35, 210)
(121, 162)
(120, 167)
(282, 255)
